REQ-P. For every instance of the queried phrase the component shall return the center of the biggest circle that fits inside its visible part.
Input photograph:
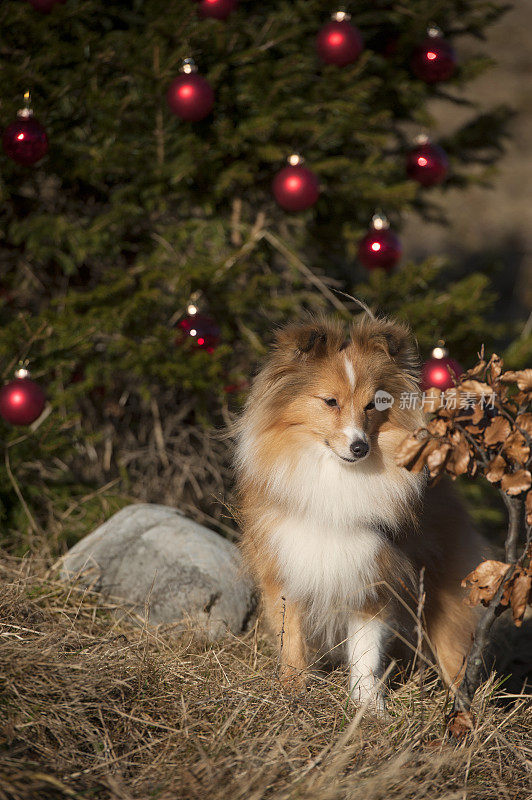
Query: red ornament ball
(216, 9)
(190, 96)
(434, 373)
(427, 164)
(295, 188)
(339, 43)
(379, 249)
(433, 60)
(21, 401)
(45, 6)
(201, 330)
(25, 140)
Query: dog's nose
(359, 448)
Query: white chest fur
(327, 542)
(330, 569)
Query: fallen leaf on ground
(460, 723)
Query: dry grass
(92, 707)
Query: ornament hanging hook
(26, 111)
(188, 66)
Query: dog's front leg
(284, 618)
(366, 639)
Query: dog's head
(337, 388)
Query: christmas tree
(148, 253)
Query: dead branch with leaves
(482, 427)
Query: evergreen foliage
(133, 211)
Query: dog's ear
(313, 342)
(309, 340)
(400, 344)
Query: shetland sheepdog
(334, 532)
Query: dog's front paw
(294, 681)
(371, 696)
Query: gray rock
(157, 560)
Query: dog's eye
(369, 406)
(330, 401)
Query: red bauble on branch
(339, 42)
(435, 371)
(200, 329)
(434, 60)
(380, 248)
(25, 140)
(21, 401)
(190, 96)
(216, 9)
(45, 6)
(427, 163)
(295, 187)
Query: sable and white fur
(335, 536)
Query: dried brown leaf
(432, 401)
(497, 431)
(476, 387)
(528, 508)
(520, 595)
(460, 723)
(474, 430)
(523, 379)
(451, 403)
(478, 414)
(475, 371)
(484, 581)
(421, 460)
(458, 461)
(516, 448)
(519, 482)
(496, 469)
(522, 399)
(409, 449)
(495, 366)
(437, 458)
(439, 426)
(524, 423)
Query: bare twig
(473, 671)
(292, 258)
(236, 218)
(159, 121)
(281, 635)
(514, 506)
(419, 632)
(15, 486)
(158, 432)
